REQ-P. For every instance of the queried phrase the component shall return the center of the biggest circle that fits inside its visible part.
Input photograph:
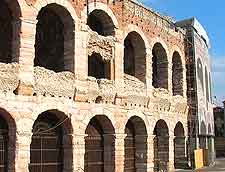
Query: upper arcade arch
(100, 22)
(207, 87)
(200, 75)
(66, 4)
(98, 6)
(159, 66)
(10, 13)
(135, 56)
(177, 74)
(55, 39)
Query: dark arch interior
(97, 67)
(99, 145)
(207, 85)
(180, 158)
(135, 56)
(6, 33)
(210, 87)
(202, 137)
(159, 67)
(161, 146)
(54, 44)
(200, 74)
(100, 22)
(47, 153)
(3, 144)
(177, 75)
(135, 145)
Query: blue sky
(211, 15)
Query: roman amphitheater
(91, 85)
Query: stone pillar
(150, 153)
(81, 56)
(119, 63)
(78, 152)
(26, 57)
(184, 82)
(22, 155)
(149, 72)
(170, 84)
(119, 152)
(171, 154)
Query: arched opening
(202, 137)
(9, 31)
(207, 85)
(51, 146)
(210, 87)
(177, 75)
(3, 144)
(135, 56)
(159, 67)
(180, 159)
(135, 145)
(54, 44)
(200, 75)
(100, 22)
(97, 67)
(161, 146)
(7, 141)
(210, 145)
(99, 145)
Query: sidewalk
(219, 167)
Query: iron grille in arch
(46, 148)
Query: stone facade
(67, 88)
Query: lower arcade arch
(161, 146)
(180, 159)
(51, 145)
(99, 145)
(7, 141)
(135, 145)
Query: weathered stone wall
(27, 91)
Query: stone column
(119, 152)
(26, 56)
(149, 72)
(150, 153)
(170, 76)
(184, 82)
(22, 154)
(171, 154)
(78, 152)
(119, 63)
(81, 56)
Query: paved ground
(219, 167)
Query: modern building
(97, 86)
(201, 125)
(219, 118)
